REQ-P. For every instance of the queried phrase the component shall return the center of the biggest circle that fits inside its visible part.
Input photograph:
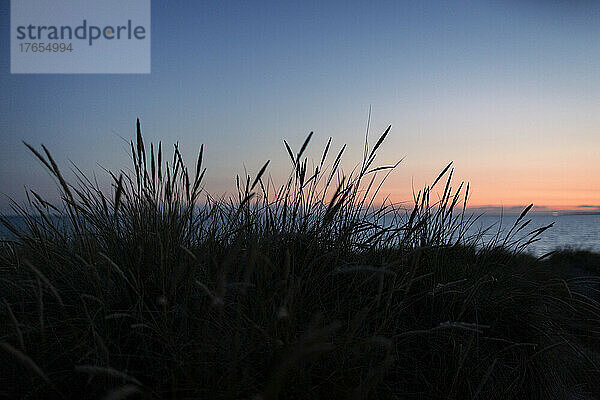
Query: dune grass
(305, 290)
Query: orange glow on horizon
(509, 193)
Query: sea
(570, 231)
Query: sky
(508, 90)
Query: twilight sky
(509, 90)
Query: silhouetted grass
(308, 290)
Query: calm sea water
(569, 231)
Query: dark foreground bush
(158, 290)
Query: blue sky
(508, 90)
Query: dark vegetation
(308, 290)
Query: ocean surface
(569, 231)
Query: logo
(75, 36)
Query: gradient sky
(508, 90)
